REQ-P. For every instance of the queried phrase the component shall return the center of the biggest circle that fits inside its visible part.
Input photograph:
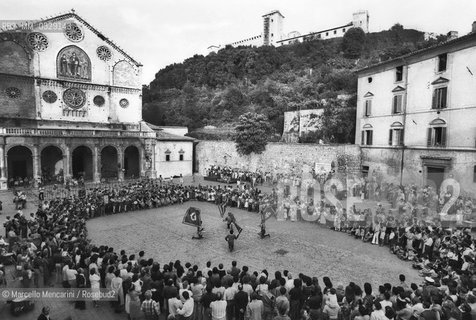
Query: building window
(474, 174)
(397, 103)
(181, 157)
(343, 30)
(442, 60)
(327, 33)
(167, 157)
(395, 136)
(437, 134)
(368, 108)
(369, 79)
(365, 171)
(399, 73)
(367, 135)
(335, 31)
(440, 97)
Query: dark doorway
(51, 165)
(435, 174)
(109, 163)
(83, 163)
(131, 163)
(20, 163)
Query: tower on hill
(272, 27)
(360, 19)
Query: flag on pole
(222, 209)
(267, 212)
(192, 217)
(238, 228)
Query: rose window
(124, 103)
(49, 96)
(13, 93)
(73, 32)
(37, 41)
(99, 101)
(74, 98)
(104, 53)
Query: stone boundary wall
(278, 157)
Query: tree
(252, 133)
(353, 43)
(338, 121)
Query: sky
(161, 32)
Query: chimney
(452, 35)
(473, 27)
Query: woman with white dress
(95, 281)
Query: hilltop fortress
(272, 33)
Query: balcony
(34, 132)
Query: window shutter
(433, 103)
(443, 137)
(370, 107)
(399, 103)
(402, 132)
(428, 137)
(370, 133)
(443, 97)
(362, 138)
(390, 136)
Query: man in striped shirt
(150, 307)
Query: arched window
(368, 104)
(367, 135)
(437, 133)
(395, 136)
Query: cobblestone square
(296, 246)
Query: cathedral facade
(70, 106)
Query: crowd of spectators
(51, 247)
(232, 175)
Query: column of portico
(3, 167)
(67, 163)
(154, 171)
(97, 163)
(36, 165)
(142, 160)
(120, 163)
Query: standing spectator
(332, 308)
(229, 297)
(80, 284)
(197, 291)
(95, 281)
(174, 304)
(134, 304)
(296, 299)
(149, 307)
(170, 291)
(207, 298)
(241, 302)
(218, 308)
(45, 314)
(378, 313)
(282, 311)
(255, 308)
(187, 309)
